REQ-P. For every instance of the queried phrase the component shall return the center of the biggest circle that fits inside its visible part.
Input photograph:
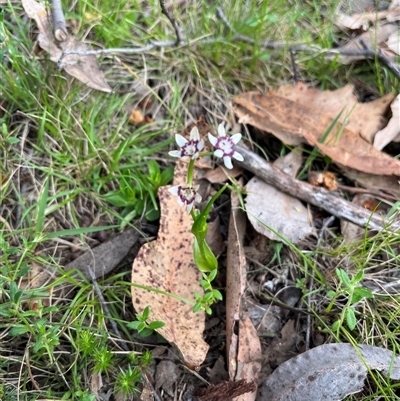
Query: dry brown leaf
(214, 237)
(393, 42)
(222, 174)
(392, 131)
(364, 119)
(104, 258)
(374, 38)
(294, 123)
(267, 206)
(235, 281)
(83, 68)
(167, 264)
(249, 356)
(389, 184)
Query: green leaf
(393, 209)
(203, 256)
(212, 275)
(156, 325)
(117, 198)
(166, 176)
(351, 318)
(330, 294)
(360, 293)
(197, 307)
(134, 325)
(336, 325)
(18, 330)
(146, 313)
(145, 332)
(217, 295)
(12, 140)
(5, 310)
(344, 277)
(358, 277)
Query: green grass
(71, 164)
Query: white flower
(224, 146)
(186, 196)
(191, 147)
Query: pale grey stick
(59, 25)
(316, 196)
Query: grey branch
(366, 51)
(316, 196)
(172, 21)
(59, 25)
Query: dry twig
(59, 25)
(316, 196)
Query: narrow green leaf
(156, 325)
(18, 330)
(351, 318)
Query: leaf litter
(153, 264)
(166, 264)
(84, 68)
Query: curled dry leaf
(374, 38)
(329, 372)
(295, 123)
(235, 281)
(244, 348)
(248, 358)
(83, 68)
(222, 174)
(392, 131)
(393, 42)
(268, 207)
(167, 264)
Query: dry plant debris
(392, 130)
(284, 114)
(329, 372)
(84, 68)
(167, 264)
(269, 208)
(244, 348)
(376, 29)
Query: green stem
(190, 173)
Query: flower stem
(190, 173)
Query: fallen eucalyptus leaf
(84, 68)
(329, 372)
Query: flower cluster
(223, 144)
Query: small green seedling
(210, 295)
(350, 288)
(145, 329)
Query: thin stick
(59, 25)
(172, 21)
(316, 196)
(296, 76)
(367, 52)
(105, 307)
(382, 58)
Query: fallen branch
(59, 25)
(172, 21)
(293, 47)
(316, 196)
(366, 51)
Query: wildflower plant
(188, 196)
